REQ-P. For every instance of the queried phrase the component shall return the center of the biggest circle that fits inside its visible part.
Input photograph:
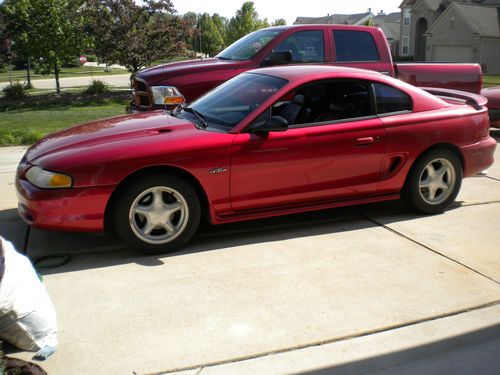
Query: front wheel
(157, 214)
(433, 182)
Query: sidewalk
(118, 80)
(373, 288)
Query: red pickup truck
(352, 46)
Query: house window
(406, 16)
(405, 47)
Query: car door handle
(365, 141)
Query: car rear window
(355, 46)
(390, 99)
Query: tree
(134, 35)
(51, 31)
(369, 22)
(221, 25)
(244, 22)
(279, 22)
(212, 41)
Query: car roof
(297, 72)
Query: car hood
(160, 73)
(109, 131)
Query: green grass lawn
(25, 123)
(65, 73)
(489, 81)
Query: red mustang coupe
(268, 142)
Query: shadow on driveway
(475, 352)
(94, 250)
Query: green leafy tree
(279, 22)
(134, 35)
(221, 25)
(369, 22)
(245, 21)
(212, 40)
(51, 31)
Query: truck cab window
(305, 46)
(355, 46)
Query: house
(387, 22)
(451, 31)
(466, 33)
(390, 24)
(343, 19)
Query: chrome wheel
(437, 181)
(158, 215)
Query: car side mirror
(272, 124)
(278, 58)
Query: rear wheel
(157, 214)
(433, 182)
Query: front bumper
(73, 209)
(478, 156)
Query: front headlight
(48, 180)
(168, 95)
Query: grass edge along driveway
(24, 123)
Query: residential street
(373, 288)
(119, 80)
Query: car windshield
(246, 47)
(231, 102)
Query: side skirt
(294, 209)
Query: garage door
(453, 54)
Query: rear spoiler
(474, 100)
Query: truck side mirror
(278, 58)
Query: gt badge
(218, 170)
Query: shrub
(14, 91)
(19, 137)
(97, 87)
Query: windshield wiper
(222, 58)
(198, 115)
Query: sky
(287, 9)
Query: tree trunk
(56, 72)
(28, 74)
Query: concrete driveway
(373, 288)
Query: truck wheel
(433, 182)
(157, 214)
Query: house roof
(391, 30)
(433, 4)
(346, 19)
(482, 19)
(391, 17)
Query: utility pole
(201, 49)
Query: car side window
(305, 46)
(390, 99)
(323, 102)
(355, 46)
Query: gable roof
(482, 19)
(391, 17)
(391, 30)
(345, 19)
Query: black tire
(420, 196)
(164, 205)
